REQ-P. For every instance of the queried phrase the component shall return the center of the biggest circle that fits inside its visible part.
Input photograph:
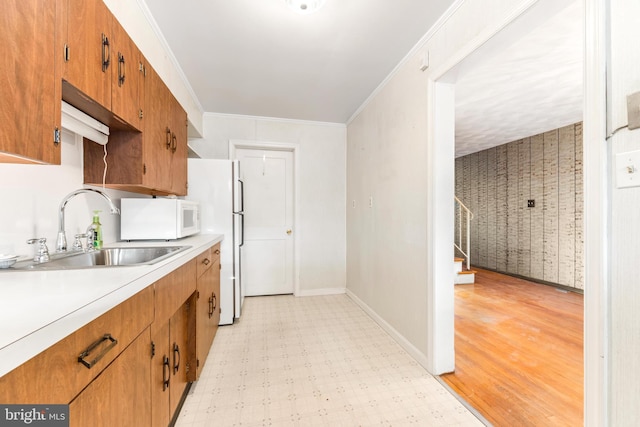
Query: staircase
(463, 228)
(463, 277)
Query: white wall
(321, 231)
(134, 18)
(625, 222)
(387, 150)
(31, 195)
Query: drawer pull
(206, 261)
(217, 252)
(87, 352)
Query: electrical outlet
(531, 203)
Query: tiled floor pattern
(314, 361)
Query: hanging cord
(104, 160)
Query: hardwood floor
(519, 351)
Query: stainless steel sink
(108, 257)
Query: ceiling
(259, 58)
(528, 83)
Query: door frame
(235, 144)
(441, 145)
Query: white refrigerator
(216, 185)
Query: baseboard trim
(320, 292)
(420, 357)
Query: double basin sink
(107, 257)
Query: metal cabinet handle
(106, 53)
(210, 306)
(166, 370)
(215, 300)
(176, 364)
(168, 141)
(206, 261)
(217, 252)
(121, 69)
(87, 352)
(174, 142)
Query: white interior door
(267, 254)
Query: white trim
(274, 119)
(596, 207)
(440, 226)
(421, 43)
(235, 144)
(321, 292)
(477, 42)
(397, 336)
(165, 46)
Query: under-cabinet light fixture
(80, 123)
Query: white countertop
(39, 308)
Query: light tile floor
(314, 361)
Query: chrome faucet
(61, 242)
(42, 252)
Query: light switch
(628, 169)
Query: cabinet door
(179, 356)
(90, 54)
(117, 396)
(178, 149)
(157, 133)
(30, 86)
(127, 73)
(160, 376)
(207, 311)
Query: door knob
(289, 232)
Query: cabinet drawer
(118, 397)
(206, 259)
(172, 291)
(56, 375)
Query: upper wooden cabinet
(102, 72)
(89, 54)
(179, 152)
(153, 161)
(127, 78)
(30, 87)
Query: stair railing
(463, 214)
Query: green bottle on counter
(96, 229)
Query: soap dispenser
(95, 231)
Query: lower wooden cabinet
(208, 304)
(57, 376)
(132, 365)
(116, 397)
(171, 362)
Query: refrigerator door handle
(241, 196)
(241, 215)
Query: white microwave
(158, 219)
